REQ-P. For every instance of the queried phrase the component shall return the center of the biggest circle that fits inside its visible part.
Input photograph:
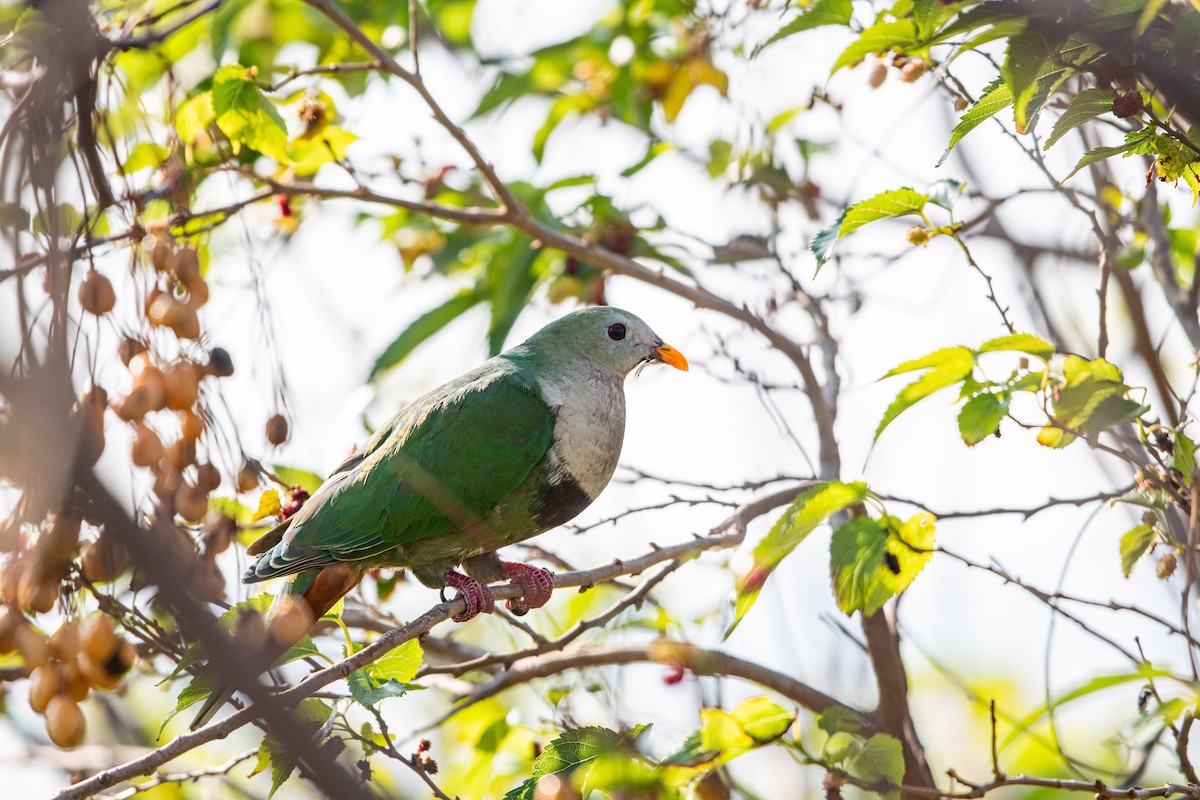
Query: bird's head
(609, 339)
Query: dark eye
(616, 331)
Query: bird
(513, 448)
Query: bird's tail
(304, 599)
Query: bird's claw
(536, 585)
(478, 597)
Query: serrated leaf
(1087, 105)
(980, 417)
(885, 205)
(421, 329)
(812, 507)
(1101, 153)
(880, 37)
(246, 116)
(822, 12)
(840, 719)
(268, 505)
(869, 563)
(880, 762)
(1183, 457)
(1134, 544)
(946, 367)
(823, 241)
(401, 663)
(996, 97)
(1026, 53)
(1020, 342)
(194, 116)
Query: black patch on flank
(559, 502)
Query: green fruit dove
(517, 446)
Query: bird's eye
(616, 331)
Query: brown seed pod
(219, 533)
(75, 685)
(96, 294)
(913, 70)
(181, 381)
(122, 660)
(208, 584)
(32, 645)
(247, 478)
(98, 637)
(208, 476)
(8, 641)
(65, 724)
(191, 502)
(160, 254)
(180, 455)
(277, 429)
(197, 293)
(187, 325)
(64, 642)
(187, 265)
(147, 449)
(128, 348)
(103, 559)
(150, 382)
(134, 406)
(878, 75)
(192, 425)
(1165, 567)
(37, 592)
(45, 682)
(95, 673)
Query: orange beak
(669, 355)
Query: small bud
(1166, 566)
(913, 70)
(960, 104)
(918, 235)
(878, 75)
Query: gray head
(608, 339)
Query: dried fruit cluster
(63, 668)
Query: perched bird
(517, 446)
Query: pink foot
(477, 596)
(535, 583)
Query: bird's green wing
(439, 467)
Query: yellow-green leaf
(268, 505)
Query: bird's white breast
(589, 430)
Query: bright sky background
(337, 296)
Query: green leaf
(573, 750)
(1088, 104)
(268, 505)
(980, 417)
(369, 692)
(879, 38)
(1149, 12)
(812, 507)
(1183, 457)
(199, 688)
(894, 203)
(880, 762)
(308, 481)
(996, 97)
(1134, 544)
(869, 563)
(822, 12)
(840, 719)
(1132, 143)
(13, 216)
(655, 150)
(1145, 671)
(721, 732)
(946, 367)
(143, 155)
(1026, 53)
(762, 720)
(246, 116)
(421, 329)
(1020, 342)
(314, 714)
(822, 243)
(401, 664)
(194, 116)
